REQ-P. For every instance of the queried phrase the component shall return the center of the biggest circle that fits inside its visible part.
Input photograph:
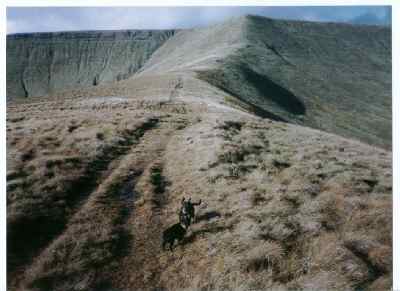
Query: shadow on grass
(208, 216)
(212, 229)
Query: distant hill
(372, 19)
(40, 63)
(335, 77)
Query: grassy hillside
(334, 77)
(235, 114)
(285, 207)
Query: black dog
(175, 232)
(187, 212)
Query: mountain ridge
(308, 73)
(282, 130)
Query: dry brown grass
(293, 211)
(300, 194)
(264, 256)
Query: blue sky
(40, 19)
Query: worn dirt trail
(147, 220)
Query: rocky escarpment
(41, 63)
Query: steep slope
(329, 76)
(335, 77)
(198, 48)
(41, 63)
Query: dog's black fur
(187, 212)
(184, 219)
(175, 232)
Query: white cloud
(11, 26)
(103, 18)
(15, 26)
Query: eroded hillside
(94, 176)
(42, 63)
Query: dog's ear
(190, 199)
(183, 200)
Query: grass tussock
(264, 256)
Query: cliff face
(41, 63)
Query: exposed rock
(41, 63)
